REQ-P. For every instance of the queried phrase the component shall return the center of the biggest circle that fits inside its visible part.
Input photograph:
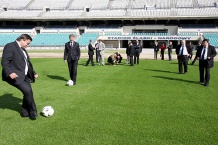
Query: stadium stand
(149, 34)
(52, 4)
(6, 38)
(19, 14)
(106, 13)
(50, 22)
(93, 4)
(188, 34)
(213, 38)
(44, 39)
(13, 4)
(62, 14)
(85, 37)
(119, 4)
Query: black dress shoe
(74, 83)
(24, 115)
(206, 84)
(33, 116)
(179, 73)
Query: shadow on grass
(175, 79)
(164, 71)
(55, 77)
(8, 101)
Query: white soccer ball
(47, 111)
(69, 83)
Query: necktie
(202, 56)
(70, 44)
(182, 50)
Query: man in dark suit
(72, 55)
(138, 49)
(90, 53)
(131, 53)
(170, 48)
(205, 55)
(156, 49)
(15, 68)
(127, 53)
(183, 52)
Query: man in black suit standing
(170, 48)
(131, 53)
(205, 55)
(15, 68)
(183, 52)
(72, 55)
(90, 53)
(138, 50)
(156, 49)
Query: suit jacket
(179, 46)
(138, 47)
(131, 50)
(211, 52)
(91, 49)
(101, 47)
(71, 53)
(170, 47)
(156, 48)
(127, 50)
(13, 61)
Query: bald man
(183, 51)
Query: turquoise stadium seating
(213, 38)
(45, 39)
(85, 38)
(6, 38)
(187, 34)
(113, 33)
(149, 34)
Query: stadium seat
(213, 38)
(50, 39)
(6, 38)
(85, 38)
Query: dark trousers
(170, 55)
(90, 59)
(72, 65)
(131, 60)
(162, 55)
(97, 54)
(190, 57)
(121, 58)
(203, 67)
(183, 60)
(136, 56)
(155, 55)
(110, 60)
(28, 104)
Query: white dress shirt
(205, 54)
(185, 52)
(26, 67)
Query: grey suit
(101, 47)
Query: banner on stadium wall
(149, 37)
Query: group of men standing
(99, 47)
(163, 48)
(133, 50)
(16, 64)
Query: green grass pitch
(146, 104)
